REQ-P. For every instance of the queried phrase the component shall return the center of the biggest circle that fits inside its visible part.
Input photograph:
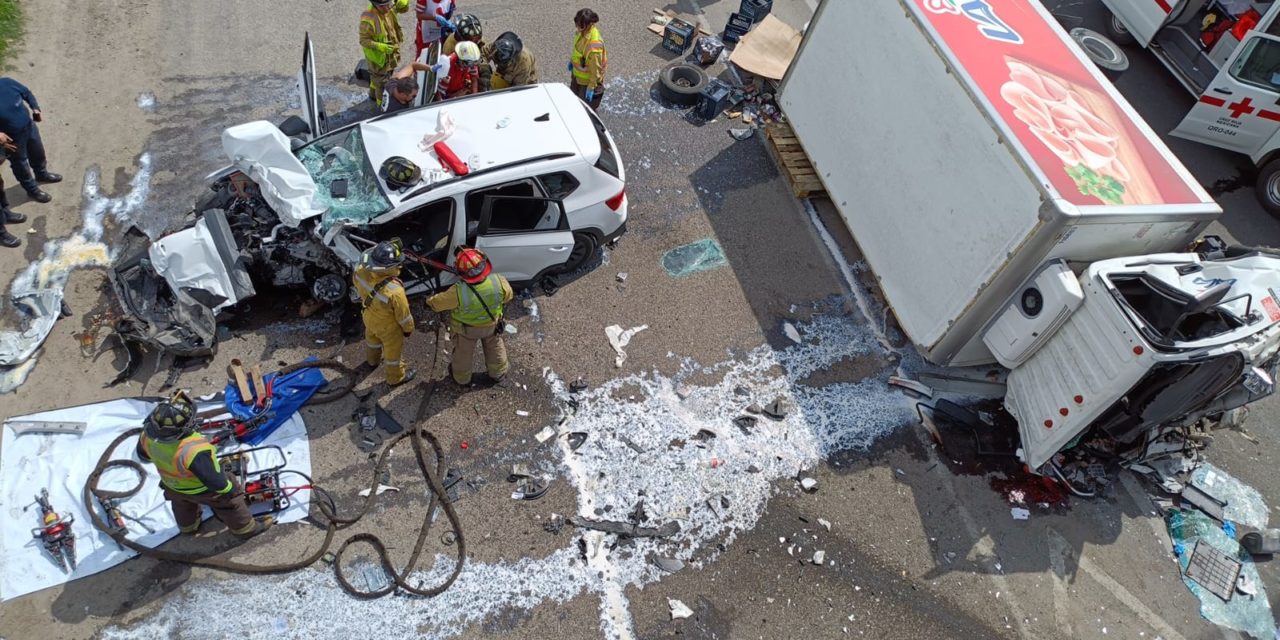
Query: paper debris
(678, 609)
(618, 338)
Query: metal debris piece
(1246, 586)
(23, 427)
(530, 489)
(622, 276)
(808, 484)
(745, 423)
(678, 609)
(545, 434)
(670, 565)
(825, 524)
(911, 385)
(703, 435)
(634, 447)
(778, 409)
(626, 529)
(741, 133)
(755, 408)
(553, 524)
(1214, 570)
(576, 439)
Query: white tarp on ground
(261, 151)
(61, 463)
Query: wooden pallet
(793, 161)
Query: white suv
(545, 188)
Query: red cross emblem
(1238, 108)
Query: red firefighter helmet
(473, 267)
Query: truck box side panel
(934, 199)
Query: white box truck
(993, 179)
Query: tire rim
(1118, 26)
(1100, 49)
(1273, 190)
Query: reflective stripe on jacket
(470, 311)
(173, 461)
(377, 32)
(383, 299)
(589, 70)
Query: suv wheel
(584, 246)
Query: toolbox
(677, 37)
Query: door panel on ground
(308, 94)
(1240, 109)
(523, 236)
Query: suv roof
(541, 120)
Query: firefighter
(463, 75)
(513, 64)
(475, 313)
(387, 319)
(380, 37)
(190, 473)
(589, 59)
(467, 28)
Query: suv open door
(308, 95)
(523, 236)
(1240, 109)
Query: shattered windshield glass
(345, 183)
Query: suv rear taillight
(616, 201)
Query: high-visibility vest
(173, 461)
(381, 34)
(470, 311)
(583, 47)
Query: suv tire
(682, 83)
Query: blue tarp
(288, 393)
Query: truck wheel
(682, 83)
(1267, 188)
(1118, 33)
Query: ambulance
(1227, 54)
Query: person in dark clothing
(190, 474)
(400, 95)
(19, 115)
(7, 215)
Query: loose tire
(682, 83)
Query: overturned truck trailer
(1015, 209)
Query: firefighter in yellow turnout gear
(190, 474)
(387, 319)
(475, 313)
(381, 37)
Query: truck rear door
(1240, 109)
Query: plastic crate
(737, 27)
(713, 100)
(677, 37)
(756, 10)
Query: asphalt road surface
(136, 95)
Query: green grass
(10, 29)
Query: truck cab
(1227, 54)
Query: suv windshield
(345, 183)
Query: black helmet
(468, 27)
(400, 172)
(506, 48)
(171, 419)
(384, 255)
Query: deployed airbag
(262, 151)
